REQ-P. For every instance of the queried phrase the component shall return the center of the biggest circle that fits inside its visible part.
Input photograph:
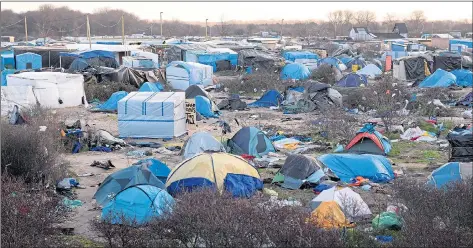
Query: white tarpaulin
(180, 75)
(152, 115)
(49, 89)
(349, 201)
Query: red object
(361, 136)
(23, 210)
(432, 121)
(247, 157)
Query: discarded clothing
(101, 149)
(286, 143)
(139, 153)
(67, 183)
(71, 203)
(232, 103)
(104, 165)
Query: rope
(72, 29)
(12, 24)
(105, 26)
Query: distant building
(387, 36)
(401, 29)
(360, 34)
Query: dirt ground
(412, 159)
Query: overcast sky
(247, 11)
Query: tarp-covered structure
(28, 61)
(333, 62)
(48, 89)
(137, 205)
(130, 76)
(151, 87)
(348, 166)
(450, 173)
(352, 80)
(371, 71)
(299, 56)
(90, 58)
(295, 71)
(297, 169)
(141, 173)
(180, 75)
(461, 143)
(112, 103)
(251, 141)
(270, 98)
(411, 68)
(258, 60)
(195, 90)
(464, 77)
(439, 79)
(220, 59)
(201, 142)
(447, 61)
(152, 115)
(312, 95)
(220, 171)
(368, 140)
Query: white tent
(152, 115)
(349, 201)
(370, 70)
(49, 89)
(180, 75)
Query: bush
(207, 219)
(102, 91)
(324, 74)
(336, 125)
(259, 80)
(436, 217)
(28, 214)
(31, 154)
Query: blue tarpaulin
(270, 98)
(151, 87)
(348, 166)
(26, 61)
(331, 61)
(89, 54)
(292, 56)
(464, 77)
(295, 71)
(112, 103)
(439, 79)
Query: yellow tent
(329, 215)
(222, 171)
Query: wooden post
(26, 30)
(123, 32)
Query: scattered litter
(417, 134)
(270, 192)
(101, 149)
(287, 143)
(71, 203)
(67, 183)
(163, 150)
(104, 165)
(467, 114)
(140, 153)
(387, 220)
(254, 116)
(398, 172)
(145, 144)
(173, 148)
(86, 175)
(42, 128)
(366, 187)
(384, 239)
(321, 187)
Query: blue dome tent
(201, 142)
(251, 141)
(203, 106)
(439, 79)
(138, 205)
(137, 174)
(464, 77)
(112, 103)
(352, 80)
(151, 87)
(295, 71)
(450, 173)
(270, 98)
(332, 61)
(356, 61)
(348, 166)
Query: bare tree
(250, 28)
(389, 20)
(223, 26)
(365, 18)
(335, 18)
(347, 20)
(417, 20)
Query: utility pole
(123, 30)
(282, 22)
(26, 30)
(151, 29)
(206, 27)
(88, 33)
(161, 20)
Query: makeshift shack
(50, 89)
(447, 61)
(138, 62)
(28, 61)
(89, 58)
(180, 75)
(152, 115)
(258, 60)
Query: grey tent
(201, 142)
(251, 141)
(140, 173)
(297, 168)
(195, 90)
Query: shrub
(102, 91)
(325, 74)
(436, 217)
(335, 124)
(28, 214)
(259, 80)
(32, 154)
